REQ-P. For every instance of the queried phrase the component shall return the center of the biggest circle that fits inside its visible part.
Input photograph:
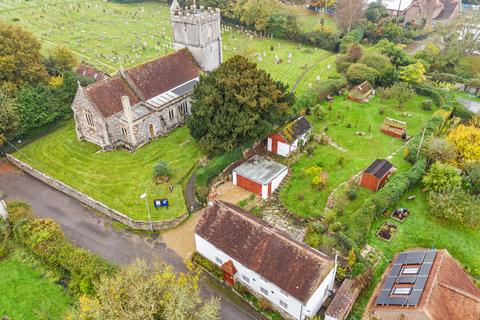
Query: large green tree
(9, 117)
(20, 58)
(235, 104)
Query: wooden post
(421, 142)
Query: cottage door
(229, 271)
(152, 132)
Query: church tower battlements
(198, 30)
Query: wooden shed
(290, 137)
(375, 176)
(395, 128)
(362, 92)
(259, 175)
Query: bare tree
(349, 14)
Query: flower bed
(386, 231)
(400, 214)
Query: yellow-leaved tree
(466, 140)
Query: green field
(27, 291)
(421, 230)
(110, 35)
(342, 123)
(117, 178)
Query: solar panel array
(423, 259)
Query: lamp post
(144, 196)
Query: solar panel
(425, 269)
(430, 256)
(401, 258)
(395, 270)
(415, 257)
(397, 301)
(389, 283)
(382, 297)
(406, 279)
(420, 283)
(414, 297)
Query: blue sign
(159, 203)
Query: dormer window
(402, 291)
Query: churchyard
(24, 280)
(118, 178)
(111, 35)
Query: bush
(329, 88)
(354, 36)
(460, 111)
(442, 178)
(313, 239)
(456, 206)
(18, 213)
(351, 194)
(162, 169)
(207, 265)
(471, 176)
(358, 73)
(432, 125)
(427, 105)
(431, 93)
(354, 53)
(342, 64)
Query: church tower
(199, 31)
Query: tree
(401, 92)
(471, 176)
(388, 74)
(442, 178)
(282, 25)
(375, 10)
(9, 118)
(61, 60)
(460, 37)
(413, 73)
(140, 291)
(357, 73)
(395, 52)
(438, 149)
(354, 52)
(466, 140)
(235, 104)
(348, 14)
(20, 58)
(455, 206)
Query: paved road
(95, 232)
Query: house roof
(291, 265)
(449, 293)
(86, 70)
(395, 5)
(343, 301)
(144, 82)
(260, 169)
(295, 129)
(449, 7)
(379, 168)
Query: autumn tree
(413, 73)
(348, 14)
(61, 60)
(466, 140)
(20, 58)
(149, 292)
(235, 104)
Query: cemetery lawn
(28, 290)
(103, 34)
(361, 150)
(421, 230)
(117, 178)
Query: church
(144, 102)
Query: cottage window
(124, 132)
(182, 108)
(264, 291)
(283, 304)
(89, 118)
(218, 260)
(245, 279)
(171, 114)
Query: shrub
(471, 172)
(455, 206)
(207, 265)
(354, 52)
(351, 194)
(320, 181)
(336, 226)
(162, 169)
(313, 239)
(329, 87)
(427, 105)
(442, 178)
(344, 242)
(354, 36)
(460, 111)
(18, 213)
(342, 64)
(358, 73)
(431, 93)
(432, 125)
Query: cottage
(293, 277)
(88, 71)
(361, 93)
(395, 128)
(259, 175)
(290, 137)
(375, 176)
(425, 284)
(142, 103)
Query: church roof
(288, 263)
(144, 81)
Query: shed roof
(343, 301)
(86, 70)
(260, 169)
(295, 129)
(291, 265)
(379, 168)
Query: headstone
(318, 78)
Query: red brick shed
(375, 176)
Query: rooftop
(295, 129)
(291, 265)
(379, 168)
(260, 169)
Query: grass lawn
(117, 178)
(421, 229)
(362, 150)
(110, 35)
(28, 292)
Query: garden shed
(375, 176)
(395, 128)
(362, 93)
(290, 137)
(259, 175)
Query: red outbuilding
(375, 176)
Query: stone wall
(94, 204)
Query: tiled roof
(295, 129)
(343, 301)
(86, 70)
(106, 95)
(449, 294)
(379, 168)
(165, 73)
(289, 264)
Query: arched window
(89, 118)
(124, 132)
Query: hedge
(45, 239)
(380, 202)
(431, 93)
(432, 125)
(354, 36)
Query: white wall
(295, 308)
(269, 144)
(265, 191)
(234, 178)
(283, 149)
(318, 298)
(3, 209)
(278, 180)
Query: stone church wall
(94, 204)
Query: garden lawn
(27, 292)
(117, 178)
(342, 123)
(421, 230)
(109, 35)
